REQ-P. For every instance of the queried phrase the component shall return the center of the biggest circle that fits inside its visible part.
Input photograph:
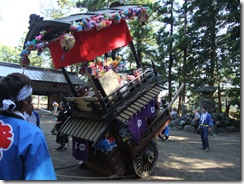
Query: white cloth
(203, 117)
(6, 103)
(173, 113)
(19, 114)
(23, 94)
(196, 115)
(30, 118)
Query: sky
(15, 19)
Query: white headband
(23, 94)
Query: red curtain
(90, 44)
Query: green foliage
(9, 54)
(204, 45)
(61, 8)
(92, 5)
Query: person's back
(62, 139)
(23, 155)
(23, 149)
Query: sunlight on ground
(198, 163)
(179, 138)
(163, 178)
(48, 121)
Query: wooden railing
(103, 105)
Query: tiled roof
(84, 128)
(39, 74)
(135, 107)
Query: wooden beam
(69, 82)
(138, 62)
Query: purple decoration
(80, 149)
(142, 121)
(133, 127)
(150, 109)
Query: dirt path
(181, 159)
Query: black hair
(163, 100)
(10, 87)
(204, 107)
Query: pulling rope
(90, 178)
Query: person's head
(30, 108)
(61, 105)
(174, 109)
(54, 104)
(204, 109)
(106, 135)
(16, 92)
(163, 101)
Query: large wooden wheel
(146, 160)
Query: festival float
(115, 118)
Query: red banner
(90, 44)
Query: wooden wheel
(146, 160)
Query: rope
(59, 168)
(95, 178)
(90, 178)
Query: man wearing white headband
(23, 150)
(24, 94)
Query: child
(164, 135)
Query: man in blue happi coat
(205, 124)
(23, 149)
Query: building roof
(39, 74)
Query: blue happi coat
(166, 131)
(23, 151)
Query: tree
(210, 55)
(143, 36)
(166, 40)
(92, 5)
(229, 51)
(9, 54)
(59, 8)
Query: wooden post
(138, 62)
(154, 68)
(69, 82)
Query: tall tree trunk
(213, 48)
(227, 107)
(185, 52)
(180, 99)
(171, 51)
(219, 90)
